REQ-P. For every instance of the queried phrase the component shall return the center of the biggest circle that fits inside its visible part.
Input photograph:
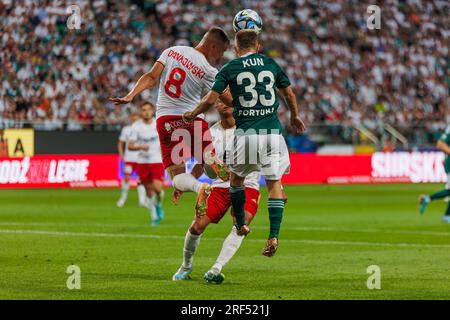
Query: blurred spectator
(345, 75)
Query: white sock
(152, 208)
(229, 248)
(142, 195)
(191, 242)
(186, 182)
(124, 190)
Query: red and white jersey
(146, 134)
(186, 75)
(129, 155)
(222, 140)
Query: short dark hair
(246, 39)
(218, 34)
(147, 103)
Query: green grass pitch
(330, 235)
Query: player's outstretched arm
(227, 99)
(206, 103)
(146, 81)
(441, 145)
(120, 145)
(291, 102)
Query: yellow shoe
(218, 166)
(202, 197)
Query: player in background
(144, 139)
(185, 73)
(252, 78)
(129, 158)
(443, 144)
(218, 204)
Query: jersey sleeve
(281, 79)
(133, 135)
(163, 57)
(222, 80)
(123, 135)
(446, 135)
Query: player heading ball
(253, 79)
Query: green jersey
(252, 79)
(446, 138)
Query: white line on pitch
(150, 236)
(324, 229)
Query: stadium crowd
(345, 75)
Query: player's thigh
(156, 176)
(236, 180)
(171, 141)
(218, 204)
(201, 140)
(244, 155)
(252, 197)
(274, 156)
(144, 174)
(157, 185)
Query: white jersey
(186, 75)
(129, 155)
(222, 140)
(146, 134)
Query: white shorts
(259, 152)
(447, 185)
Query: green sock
(447, 212)
(237, 196)
(440, 194)
(276, 207)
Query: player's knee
(175, 170)
(158, 188)
(236, 181)
(149, 191)
(248, 217)
(197, 228)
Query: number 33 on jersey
(252, 79)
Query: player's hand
(145, 147)
(123, 100)
(298, 124)
(188, 116)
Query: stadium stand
(349, 80)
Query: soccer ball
(247, 19)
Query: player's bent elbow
(441, 145)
